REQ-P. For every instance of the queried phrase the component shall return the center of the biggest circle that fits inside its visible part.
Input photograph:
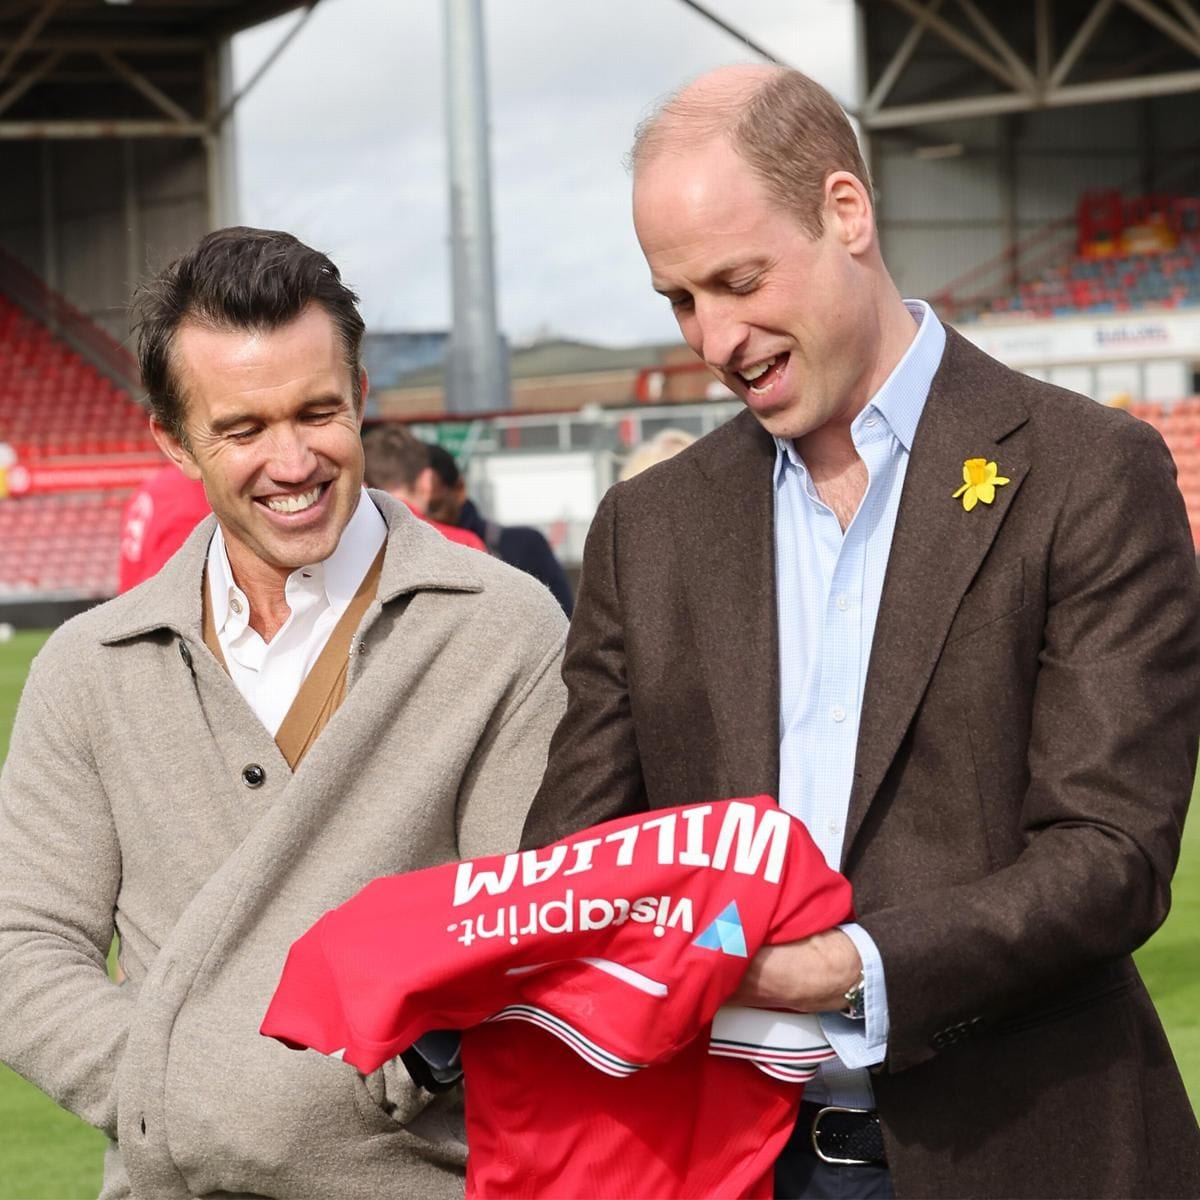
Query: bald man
(948, 615)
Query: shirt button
(871, 422)
(253, 775)
(838, 713)
(236, 605)
(832, 827)
(842, 603)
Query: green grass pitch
(47, 1154)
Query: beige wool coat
(124, 804)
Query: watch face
(854, 1001)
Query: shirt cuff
(862, 1043)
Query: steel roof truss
(1041, 84)
(22, 85)
(899, 60)
(1023, 75)
(959, 41)
(1166, 24)
(28, 35)
(151, 91)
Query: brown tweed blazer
(1026, 755)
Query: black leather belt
(845, 1136)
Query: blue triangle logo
(725, 933)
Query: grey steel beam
(999, 43)
(140, 83)
(32, 76)
(25, 130)
(959, 41)
(74, 44)
(235, 98)
(1088, 28)
(1165, 24)
(1188, 15)
(895, 68)
(1104, 92)
(1043, 32)
(221, 145)
(28, 35)
(476, 374)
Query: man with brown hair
(397, 462)
(316, 690)
(950, 616)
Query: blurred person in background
(518, 545)
(318, 689)
(949, 615)
(663, 445)
(397, 462)
(156, 521)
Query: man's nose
(721, 332)
(291, 458)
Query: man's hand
(812, 975)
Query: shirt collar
(901, 398)
(339, 575)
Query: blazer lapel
(724, 530)
(937, 548)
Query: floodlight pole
(476, 369)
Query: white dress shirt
(829, 585)
(269, 674)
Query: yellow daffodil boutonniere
(980, 482)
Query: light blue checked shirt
(828, 586)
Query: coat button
(253, 775)
(185, 654)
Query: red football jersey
(621, 943)
(156, 521)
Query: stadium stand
(1134, 253)
(60, 545)
(53, 404)
(75, 443)
(1179, 424)
(1121, 283)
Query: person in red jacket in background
(397, 463)
(156, 522)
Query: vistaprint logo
(516, 921)
(734, 836)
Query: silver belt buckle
(816, 1125)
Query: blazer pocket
(1068, 1005)
(991, 599)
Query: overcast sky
(343, 143)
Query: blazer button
(253, 775)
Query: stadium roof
(143, 22)
(119, 68)
(929, 61)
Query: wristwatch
(855, 1008)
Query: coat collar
(724, 526)
(417, 559)
(937, 549)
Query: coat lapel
(724, 529)
(937, 548)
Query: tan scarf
(324, 686)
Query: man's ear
(174, 449)
(422, 488)
(364, 389)
(848, 206)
